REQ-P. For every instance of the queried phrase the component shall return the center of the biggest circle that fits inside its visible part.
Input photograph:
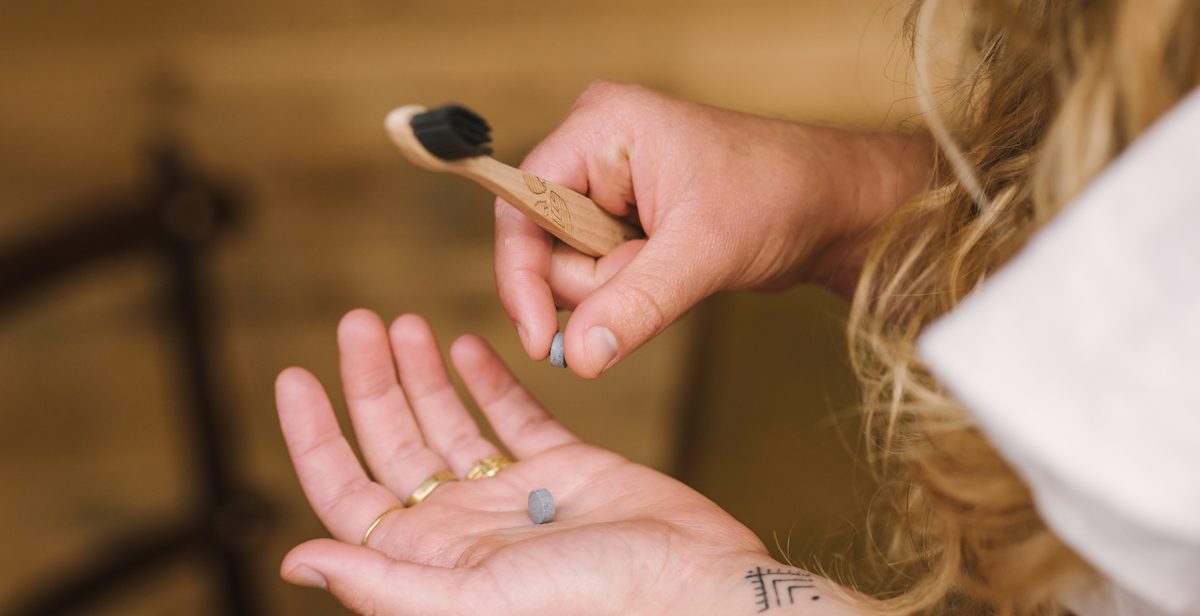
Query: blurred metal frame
(172, 222)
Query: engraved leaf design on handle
(535, 184)
(553, 207)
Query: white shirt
(1080, 361)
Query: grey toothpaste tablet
(557, 357)
(541, 506)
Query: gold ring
(486, 467)
(375, 524)
(429, 485)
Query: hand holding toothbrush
(727, 201)
(659, 203)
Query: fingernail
(306, 576)
(601, 347)
(524, 336)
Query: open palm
(626, 539)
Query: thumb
(368, 582)
(661, 283)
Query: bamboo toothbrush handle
(564, 213)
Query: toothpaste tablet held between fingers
(558, 358)
(541, 506)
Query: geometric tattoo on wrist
(779, 587)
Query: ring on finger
(428, 486)
(375, 524)
(489, 466)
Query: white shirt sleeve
(1080, 361)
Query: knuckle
(605, 91)
(407, 450)
(512, 283)
(345, 493)
(530, 427)
(597, 89)
(502, 209)
(645, 307)
(535, 427)
(465, 440)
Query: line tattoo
(777, 587)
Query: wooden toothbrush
(453, 138)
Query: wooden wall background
(287, 98)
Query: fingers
(449, 429)
(388, 434)
(519, 420)
(523, 249)
(368, 582)
(657, 286)
(589, 155)
(341, 494)
(522, 265)
(574, 275)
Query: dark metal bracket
(173, 221)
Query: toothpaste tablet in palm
(541, 506)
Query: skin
(728, 201)
(627, 539)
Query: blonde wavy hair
(1050, 91)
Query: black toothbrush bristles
(452, 132)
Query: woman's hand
(626, 539)
(727, 200)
